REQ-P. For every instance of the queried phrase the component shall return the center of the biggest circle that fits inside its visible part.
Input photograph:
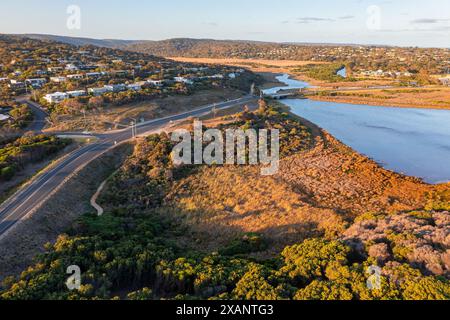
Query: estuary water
(415, 142)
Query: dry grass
(316, 192)
(255, 65)
(109, 117)
(247, 62)
(430, 97)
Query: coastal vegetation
(16, 154)
(325, 72)
(146, 246)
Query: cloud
(312, 19)
(305, 20)
(428, 21)
(346, 17)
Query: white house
(36, 83)
(71, 67)
(75, 76)
(183, 80)
(56, 97)
(55, 69)
(98, 91)
(134, 86)
(93, 74)
(156, 83)
(76, 93)
(4, 117)
(58, 79)
(115, 87)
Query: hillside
(182, 232)
(77, 41)
(357, 57)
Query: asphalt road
(21, 204)
(40, 116)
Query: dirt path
(94, 198)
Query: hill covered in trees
(359, 57)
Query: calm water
(415, 142)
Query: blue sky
(405, 23)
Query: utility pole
(132, 130)
(252, 89)
(85, 120)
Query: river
(415, 142)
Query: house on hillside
(445, 81)
(98, 91)
(36, 83)
(75, 76)
(71, 67)
(183, 80)
(76, 93)
(93, 74)
(4, 117)
(56, 97)
(156, 83)
(115, 87)
(134, 87)
(58, 79)
(55, 69)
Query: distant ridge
(77, 41)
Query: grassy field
(256, 65)
(429, 97)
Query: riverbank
(363, 128)
(420, 98)
(360, 93)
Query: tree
(96, 103)
(254, 286)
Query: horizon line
(235, 40)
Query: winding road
(35, 193)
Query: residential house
(93, 74)
(75, 76)
(76, 93)
(17, 85)
(156, 83)
(58, 79)
(119, 73)
(86, 67)
(36, 83)
(134, 87)
(183, 80)
(98, 91)
(116, 87)
(40, 72)
(71, 67)
(4, 117)
(56, 97)
(55, 69)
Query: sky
(395, 22)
